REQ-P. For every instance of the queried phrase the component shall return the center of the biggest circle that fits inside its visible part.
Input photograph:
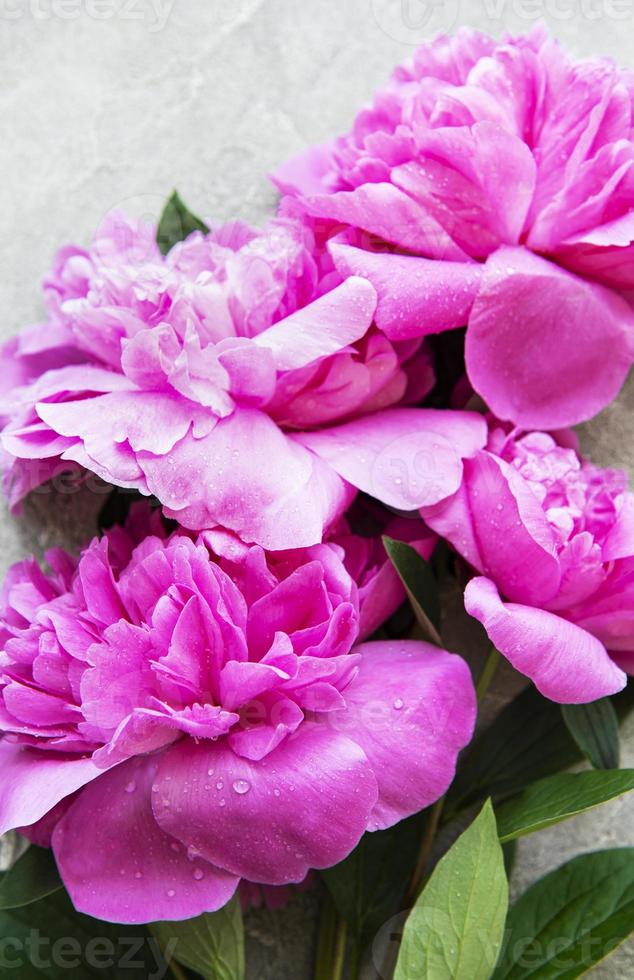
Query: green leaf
(49, 940)
(510, 855)
(595, 729)
(557, 798)
(456, 928)
(571, 919)
(527, 741)
(212, 944)
(32, 877)
(368, 885)
(176, 223)
(421, 586)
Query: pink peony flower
(176, 721)
(210, 378)
(493, 184)
(381, 591)
(552, 537)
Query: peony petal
(566, 663)
(407, 458)
(304, 806)
(33, 782)
(416, 296)
(118, 864)
(149, 420)
(305, 173)
(249, 477)
(497, 524)
(537, 339)
(411, 708)
(387, 212)
(619, 542)
(324, 327)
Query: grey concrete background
(111, 103)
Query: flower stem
(355, 962)
(340, 950)
(426, 844)
(177, 972)
(326, 939)
(487, 675)
(433, 820)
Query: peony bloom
(213, 379)
(175, 721)
(552, 537)
(493, 184)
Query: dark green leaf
(456, 928)
(49, 940)
(421, 586)
(368, 885)
(595, 729)
(527, 741)
(623, 702)
(176, 223)
(510, 853)
(557, 798)
(212, 944)
(571, 919)
(33, 876)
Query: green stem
(340, 950)
(424, 852)
(487, 675)
(354, 966)
(177, 972)
(326, 938)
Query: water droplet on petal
(171, 893)
(131, 787)
(241, 786)
(198, 874)
(398, 704)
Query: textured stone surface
(109, 103)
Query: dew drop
(171, 893)
(219, 784)
(398, 704)
(241, 786)
(131, 787)
(198, 874)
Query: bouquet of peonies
(318, 435)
